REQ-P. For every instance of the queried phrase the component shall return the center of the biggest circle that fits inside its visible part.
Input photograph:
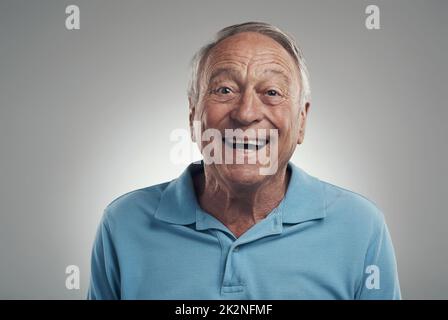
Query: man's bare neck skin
(240, 207)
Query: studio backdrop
(90, 107)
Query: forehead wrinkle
(234, 57)
(248, 46)
(232, 66)
(282, 65)
(255, 60)
(247, 60)
(273, 56)
(229, 54)
(275, 71)
(237, 63)
(213, 61)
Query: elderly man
(228, 230)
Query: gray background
(86, 116)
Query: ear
(191, 118)
(302, 122)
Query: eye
(223, 90)
(272, 93)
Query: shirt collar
(304, 199)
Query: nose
(248, 109)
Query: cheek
(212, 115)
(288, 129)
(282, 120)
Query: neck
(239, 207)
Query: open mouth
(245, 144)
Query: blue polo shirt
(321, 242)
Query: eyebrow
(234, 74)
(282, 74)
(231, 73)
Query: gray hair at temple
(284, 39)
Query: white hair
(284, 39)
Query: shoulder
(352, 209)
(139, 203)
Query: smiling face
(250, 82)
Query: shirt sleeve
(380, 276)
(105, 274)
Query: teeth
(247, 144)
(247, 141)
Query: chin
(242, 174)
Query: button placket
(232, 282)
